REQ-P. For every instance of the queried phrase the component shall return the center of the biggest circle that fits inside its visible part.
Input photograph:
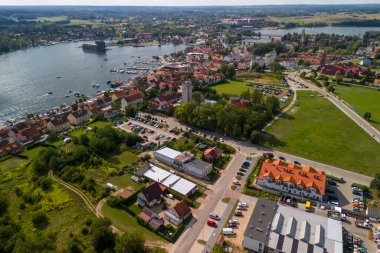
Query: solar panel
(280, 242)
(295, 246)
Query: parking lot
(150, 131)
(237, 239)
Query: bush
(180, 197)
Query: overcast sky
(179, 2)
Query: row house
(79, 117)
(292, 179)
(111, 112)
(59, 123)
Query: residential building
(187, 92)
(178, 213)
(184, 161)
(150, 196)
(212, 153)
(292, 179)
(110, 112)
(78, 117)
(133, 97)
(59, 123)
(270, 57)
(278, 228)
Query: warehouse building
(276, 228)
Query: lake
(268, 34)
(27, 76)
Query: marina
(68, 73)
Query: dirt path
(75, 190)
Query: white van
(243, 204)
(228, 231)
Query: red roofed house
(212, 153)
(133, 97)
(117, 95)
(178, 213)
(292, 179)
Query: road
(186, 241)
(365, 125)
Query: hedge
(181, 197)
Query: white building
(184, 162)
(277, 228)
(269, 58)
(170, 180)
(187, 92)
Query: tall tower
(303, 37)
(187, 92)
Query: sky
(180, 2)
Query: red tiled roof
(182, 209)
(213, 152)
(307, 176)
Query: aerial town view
(164, 126)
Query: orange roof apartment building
(292, 179)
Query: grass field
(315, 129)
(234, 88)
(122, 220)
(123, 159)
(363, 99)
(327, 18)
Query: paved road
(365, 125)
(248, 148)
(186, 241)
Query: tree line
(227, 119)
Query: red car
(212, 223)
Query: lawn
(124, 181)
(234, 88)
(11, 163)
(122, 220)
(315, 129)
(363, 99)
(123, 159)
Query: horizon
(178, 3)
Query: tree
(4, 204)
(130, 243)
(40, 220)
(217, 249)
(375, 183)
(103, 239)
(367, 116)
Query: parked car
(212, 223)
(367, 195)
(233, 221)
(239, 207)
(228, 231)
(240, 173)
(331, 181)
(236, 182)
(232, 225)
(238, 214)
(282, 158)
(297, 163)
(355, 192)
(356, 209)
(214, 216)
(242, 170)
(243, 204)
(356, 189)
